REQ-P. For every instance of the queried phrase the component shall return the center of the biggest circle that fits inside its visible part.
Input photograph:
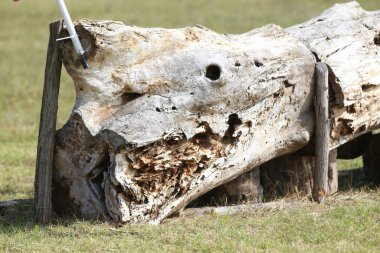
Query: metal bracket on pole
(73, 34)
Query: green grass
(23, 42)
(349, 223)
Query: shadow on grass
(19, 214)
(16, 215)
(353, 179)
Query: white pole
(73, 34)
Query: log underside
(165, 115)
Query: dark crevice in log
(233, 122)
(213, 72)
(336, 96)
(128, 97)
(96, 177)
(367, 87)
(376, 40)
(355, 148)
(316, 56)
(258, 63)
(346, 128)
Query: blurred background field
(23, 43)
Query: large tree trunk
(165, 115)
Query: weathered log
(165, 115)
(46, 136)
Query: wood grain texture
(46, 136)
(165, 115)
(322, 131)
(345, 37)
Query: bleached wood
(347, 39)
(165, 115)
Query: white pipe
(73, 34)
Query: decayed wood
(165, 115)
(322, 128)
(46, 136)
(371, 160)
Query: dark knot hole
(213, 72)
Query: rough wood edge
(322, 138)
(46, 136)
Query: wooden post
(322, 127)
(332, 172)
(46, 136)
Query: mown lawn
(339, 225)
(345, 223)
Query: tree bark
(46, 136)
(165, 115)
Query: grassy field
(340, 225)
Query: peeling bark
(165, 115)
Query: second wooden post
(322, 128)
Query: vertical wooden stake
(46, 136)
(322, 128)
(333, 172)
